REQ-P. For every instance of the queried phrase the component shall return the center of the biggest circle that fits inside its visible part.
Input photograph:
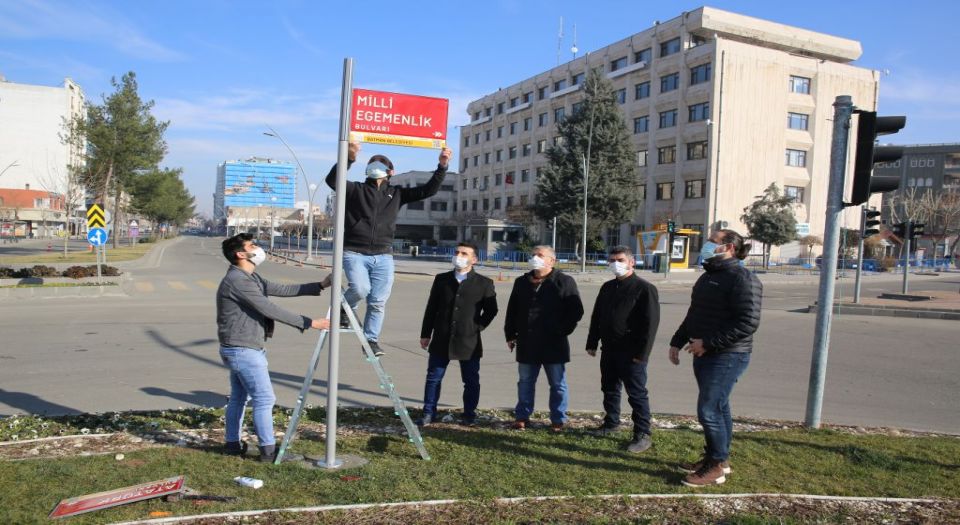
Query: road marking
(209, 285)
(144, 286)
(178, 285)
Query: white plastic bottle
(253, 483)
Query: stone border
(944, 314)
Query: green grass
(485, 463)
(57, 285)
(121, 253)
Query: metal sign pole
(906, 256)
(337, 278)
(843, 108)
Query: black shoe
(235, 448)
(344, 320)
(468, 421)
(424, 421)
(640, 443)
(607, 428)
(268, 454)
(377, 351)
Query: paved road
(156, 348)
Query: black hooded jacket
(724, 308)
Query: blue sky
(220, 71)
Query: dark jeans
(469, 373)
(716, 374)
(619, 368)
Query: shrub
(6, 273)
(41, 271)
(78, 272)
(108, 271)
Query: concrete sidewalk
(943, 305)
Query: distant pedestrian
(370, 223)
(543, 310)
(718, 331)
(625, 319)
(245, 320)
(462, 303)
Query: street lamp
(273, 213)
(586, 179)
(259, 207)
(311, 192)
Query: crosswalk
(207, 286)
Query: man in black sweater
(370, 223)
(625, 319)
(462, 303)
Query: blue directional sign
(97, 236)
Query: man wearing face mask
(369, 226)
(625, 319)
(462, 303)
(245, 319)
(543, 310)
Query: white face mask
(619, 268)
(460, 262)
(258, 256)
(537, 263)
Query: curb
(944, 314)
(361, 506)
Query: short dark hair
(468, 244)
(234, 244)
(616, 250)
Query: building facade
(33, 158)
(719, 106)
(432, 220)
(246, 188)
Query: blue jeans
(249, 379)
(716, 374)
(469, 373)
(370, 277)
(526, 390)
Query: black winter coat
(370, 219)
(456, 314)
(540, 319)
(724, 308)
(625, 317)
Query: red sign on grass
(396, 119)
(112, 498)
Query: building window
(464, 205)
(542, 120)
(696, 241)
(642, 158)
(696, 150)
(557, 141)
(697, 40)
(560, 84)
(473, 206)
(641, 90)
(669, 82)
(618, 63)
(700, 74)
(642, 191)
(693, 189)
(512, 153)
(526, 150)
(438, 206)
(499, 132)
(496, 203)
(464, 187)
(797, 121)
(539, 172)
(466, 163)
(416, 205)
(528, 124)
(486, 113)
(576, 107)
(499, 155)
(527, 97)
(559, 114)
(514, 101)
(794, 193)
(500, 108)
(524, 175)
(541, 93)
(476, 160)
(667, 155)
(513, 128)
(668, 119)
(641, 124)
(643, 56)
(466, 141)
(578, 79)
(486, 135)
(797, 157)
(799, 85)
(665, 191)
(497, 179)
(670, 47)
(510, 178)
(541, 145)
(486, 183)
(523, 200)
(476, 115)
(698, 112)
(476, 138)
(621, 95)
(486, 204)
(475, 182)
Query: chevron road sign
(95, 216)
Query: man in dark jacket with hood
(625, 319)
(462, 303)
(543, 311)
(370, 223)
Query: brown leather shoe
(556, 428)
(520, 424)
(710, 473)
(690, 468)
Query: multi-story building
(253, 191)
(432, 219)
(719, 106)
(34, 159)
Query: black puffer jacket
(724, 308)
(370, 218)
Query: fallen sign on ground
(112, 498)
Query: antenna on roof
(559, 40)
(574, 48)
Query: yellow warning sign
(397, 140)
(95, 216)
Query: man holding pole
(371, 209)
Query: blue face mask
(708, 250)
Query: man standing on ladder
(371, 209)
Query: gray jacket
(245, 317)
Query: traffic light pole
(843, 109)
(906, 254)
(863, 228)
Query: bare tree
(68, 187)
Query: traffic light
(869, 153)
(671, 227)
(916, 230)
(900, 230)
(870, 224)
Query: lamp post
(259, 207)
(586, 179)
(311, 192)
(273, 213)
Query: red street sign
(112, 498)
(397, 119)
